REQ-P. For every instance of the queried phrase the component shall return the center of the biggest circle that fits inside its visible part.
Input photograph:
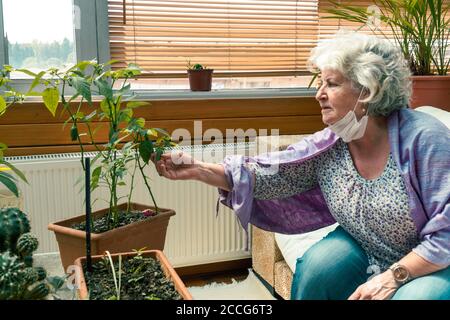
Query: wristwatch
(401, 274)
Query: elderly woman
(380, 169)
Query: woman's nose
(320, 95)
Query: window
(239, 39)
(249, 43)
(41, 34)
(40, 46)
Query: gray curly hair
(370, 63)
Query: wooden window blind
(234, 37)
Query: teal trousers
(336, 266)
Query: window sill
(222, 94)
(225, 94)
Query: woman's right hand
(177, 166)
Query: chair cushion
(442, 115)
(293, 246)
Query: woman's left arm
(383, 286)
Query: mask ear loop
(363, 109)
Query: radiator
(195, 234)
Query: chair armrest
(265, 254)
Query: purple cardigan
(420, 145)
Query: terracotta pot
(169, 271)
(149, 233)
(200, 80)
(431, 91)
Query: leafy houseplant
(8, 97)
(124, 226)
(18, 278)
(421, 28)
(200, 77)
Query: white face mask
(348, 128)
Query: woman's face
(336, 96)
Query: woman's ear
(365, 93)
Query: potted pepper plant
(123, 225)
(422, 30)
(200, 77)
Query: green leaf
(9, 182)
(133, 69)
(79, 115)
(140, 122)
(36, 80)
(51, 97)
(104, 88)
(82, 65)
(152, 132)
(15, 170)
(2, 105)
(104, 106)
(125, 115)
(27, 72)
(145, 150)
(96, 177)
(83, 87)
(3, 146)
(136, 104)
(159, 152)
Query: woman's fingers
(174, 165)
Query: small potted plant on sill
(200, 77)
(422, 30)
(123, 225)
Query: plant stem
(136, 156)
(141, 168)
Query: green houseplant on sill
(121, 227)
(421, 28)
(200, 77)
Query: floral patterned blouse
(375, 212)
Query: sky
(43, 20)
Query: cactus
(36, 274)
(12, 277)
(18, 278)
(13, 223)
(26, 244)
(31, 276)
(42, 274)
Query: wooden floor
(220, 277)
